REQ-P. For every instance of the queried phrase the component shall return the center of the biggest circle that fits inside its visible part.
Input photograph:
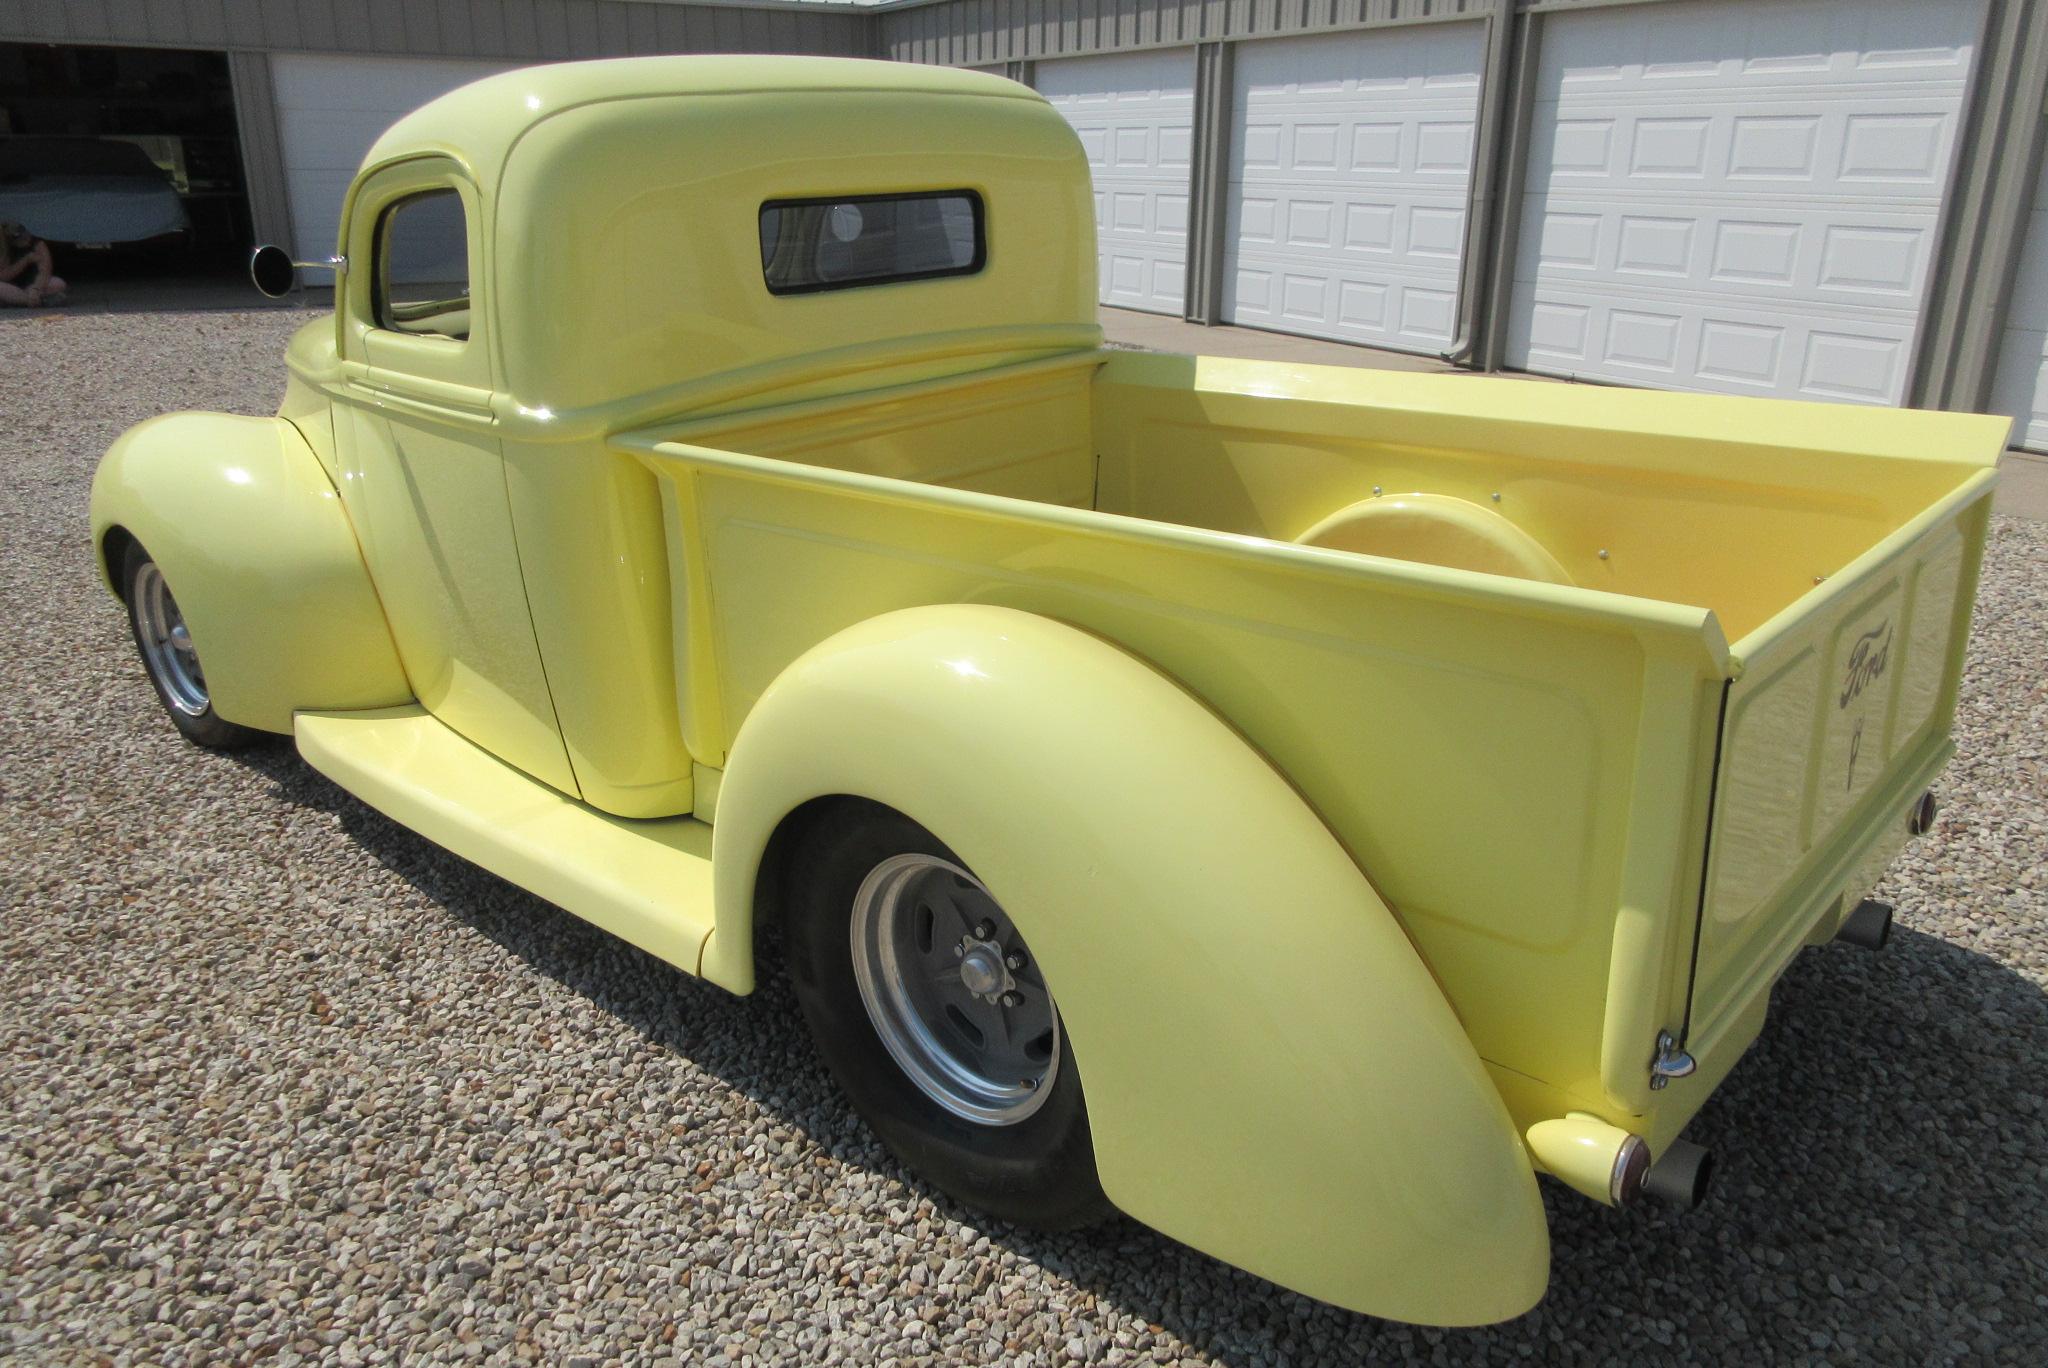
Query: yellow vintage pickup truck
(1293, 806)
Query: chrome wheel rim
(953, 991)
(166, 644)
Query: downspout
(1482, 197)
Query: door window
(422, 268)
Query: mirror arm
(277, 275)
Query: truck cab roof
(626, 241)
(479, 123)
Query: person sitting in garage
(28, 277)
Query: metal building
(1830, 199)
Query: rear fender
(253, 541)
(1272, 1074)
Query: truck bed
(1482, 625)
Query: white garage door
(2021, 391)
(1739, 196)
(329, 111)
(1349, 165)
(1134, 112)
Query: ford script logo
(1866, 662)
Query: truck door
(423, 470)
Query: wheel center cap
(981, 970)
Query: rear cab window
(422, 266)
(844, 241)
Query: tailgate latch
(1670, 1061)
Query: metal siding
(672, 27)
(613, 31)
(963, 32)
(584, 38)
(280, 25)
(727, 35)
(642, 34)
(163, 21)
(786, 30)
(244, 20)
(1551, 6)
(487, 28)
(525, 30)
(350, 18)
(384, 26)
(422, 27)
(522, 31)
(551, 28)
(316, 25)
(206, 24)
(457, 29)
(85, 18)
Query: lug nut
(1013, 998)
(984, 928)
(1014, 960)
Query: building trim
(1977, 261)
(490, 30)
(979, 32)
(1495, 293)
(1209, 181)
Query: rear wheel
(170, 658)
(933, 1015)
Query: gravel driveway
(281, 1081)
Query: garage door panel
(1805, 147)
(1739, 196)
(1350, 165)
(1636, 338)
(1380, 235)
(1722, 250)
(315, 194)
(1134, 115)
(1703, 46)
(331, 108)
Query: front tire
(930, 1011)
(170, 660)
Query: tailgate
(1836, 722)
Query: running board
(646, 881)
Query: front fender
(253, 541)
(1272, 1074)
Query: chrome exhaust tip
(1924, 812)
(1868, 926)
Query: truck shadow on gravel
(1879, 1193)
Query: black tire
(1037, 1172)
(203, 726)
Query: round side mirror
(272, 270)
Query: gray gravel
(281, 1081)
